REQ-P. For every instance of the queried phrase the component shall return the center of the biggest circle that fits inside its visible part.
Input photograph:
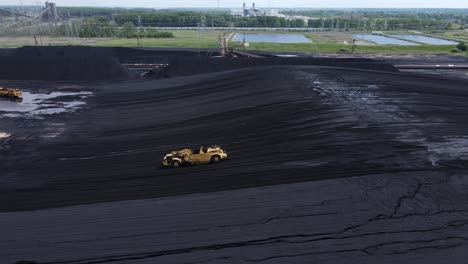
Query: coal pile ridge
(61, 68)
(121, 54)
(103, 63)
(117, 52)
(182, 66)
(79, 62)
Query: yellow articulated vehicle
(10, 93)
(203, 155)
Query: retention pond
(383, 40)
(425, 40)
(274, 38)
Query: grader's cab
(199, 156)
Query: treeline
(102, 28)
(109, 11)
(382, 12)
(356, 19)
(386, 19)
(195, 19)
(85, 12)
(358, 22)
(346, 24)
(367, 19)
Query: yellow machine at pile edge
(213, 154)
(11, 93)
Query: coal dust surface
(279, 124)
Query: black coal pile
(119, 52)
(60, 68)
(5, 52)
(181, 66)
(123, 55)
(61, 63)
(80, 62)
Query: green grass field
(182, 39)
(461, 35)
(15, 42)
(323, 42)
(327, 42)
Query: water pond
(274, 38)
(384, 40)
(426, 40)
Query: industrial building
(255, 11)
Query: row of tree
(377, 24)
(196, 19)
(84, 12)
(352, 19)
(222, 18)
(102, 27)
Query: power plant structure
(250, 11)
(49, 14)
(254, 11)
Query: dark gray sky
(260, 3)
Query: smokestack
(253, 5)
(244, 5)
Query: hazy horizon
(259, 3)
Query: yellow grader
(10, 93)
(213, 154)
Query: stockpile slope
(279, 124)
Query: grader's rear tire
(215, 159)
(175, 164)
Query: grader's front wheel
(175, 164)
